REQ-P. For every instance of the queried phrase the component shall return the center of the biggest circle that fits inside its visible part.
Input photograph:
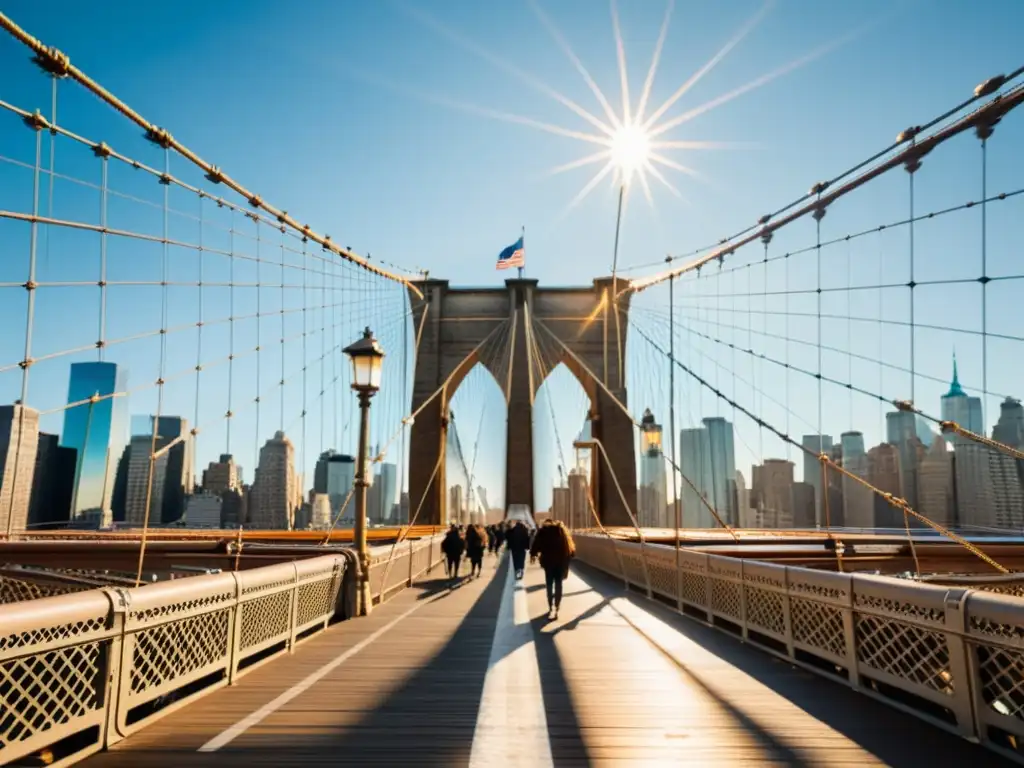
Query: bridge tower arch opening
(561, 415)
(520, 333)
(475, 446)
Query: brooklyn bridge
(791, 461)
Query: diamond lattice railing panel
(165, 653)
(725, 598)
(194, 605)
(48, 690)
(316, 600)
(1016, 590)
(663, 579)
(634, 569)
(900, 608)
(1001, 679)
(263, 618)
(17, 590)
(46, 635)
(766, 610)
(997, 630)
(252, 589)
(818, 625)
(694, 588)
(905, 651)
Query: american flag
(513, 256)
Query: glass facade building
(97, 431)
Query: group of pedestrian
(470, 540)
(551, 543)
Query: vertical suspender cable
(30, 286)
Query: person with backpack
(518, 540)
(453, 546)
(476, 544)
(553, 545)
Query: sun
(630, 150)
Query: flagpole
(522, 236)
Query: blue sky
(353, 117)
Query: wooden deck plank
(675, 692)
(362, 686)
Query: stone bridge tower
(498, 328)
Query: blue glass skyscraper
(96, 430)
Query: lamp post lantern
(367, 358)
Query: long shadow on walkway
(429, 718)
(894, 737)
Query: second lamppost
(367, 361)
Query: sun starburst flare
(633, 145)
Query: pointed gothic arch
(502, 328)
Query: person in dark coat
(453, 546)
(553, 544)
(518, 539)
(499, 537)
(476, 543)
(492, 538)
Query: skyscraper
(144, 496)
(697, 480)
(19, 441)
(901, 431)
(95, 424)
(771, 493)
(172, 474)
(884, 474)
(276, 494)
(341, 475)
(385, 484)
(653, 490)
(743, 511)
(1008, 472)
(723, 467)
(971, 472)
(803, 505)
(52, 484)
(964, 410)
(580, 515)
(935, 484)
(222, 475)
(320, 511)
(455, 506)
(858, 501)
(560, 504)
(817, 444)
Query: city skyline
(146, 296)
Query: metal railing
(950, 655)
(81, 671)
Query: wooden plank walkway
(621, 682)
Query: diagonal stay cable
(892, 500)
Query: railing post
(110, 676)
(850, 632)
(235, 631)
(743, 603)
(960, 668)
(787, 612)
(293, 611)
(708, 590)
(411, 565)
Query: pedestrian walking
(453, 546)
(553, 545)
(518, 540)
(476, 543)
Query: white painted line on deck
(247, 722)
(511, 725)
